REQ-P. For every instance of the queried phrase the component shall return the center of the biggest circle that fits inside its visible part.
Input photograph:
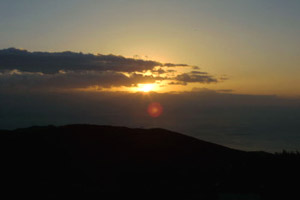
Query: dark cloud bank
(50, 63)
(67, 80)
(42, 70)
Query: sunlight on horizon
(146, 87)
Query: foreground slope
(88, 161)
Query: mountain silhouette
(89, 161)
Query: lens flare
(155, 109)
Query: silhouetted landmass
(88, 161)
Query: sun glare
(146, 87)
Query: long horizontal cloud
(194, 77)
(21, 69)
(175, 65)
(69, 79)
(46, 62)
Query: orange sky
(255, 44)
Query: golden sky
(254, 44)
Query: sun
(145, 87)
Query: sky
(254, 44)
(223, 71)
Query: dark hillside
(88, 161)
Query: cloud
(210, 91)
(224, 78)
(195, 77)
(198, 72)
(175, 65)
(69, 79)
(159, 71)
(226, 90)
(177, 83)
(50, 63)
(21, 69)
(171, 70)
